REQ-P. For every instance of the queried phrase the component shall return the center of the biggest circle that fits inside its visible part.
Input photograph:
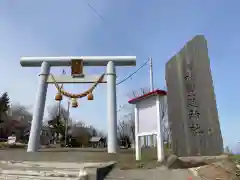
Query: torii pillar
(47, 62)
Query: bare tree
(21, 111)
(82, 133)
(132, 127)
(129, 111)
(166, 126)
(57, 116)
(124, 133)
(227, 150)
(101, 134)
(95, 132)
(122, 129)
(18, 121)
(137, 93)
(126, 125)
(53, 111)
(4, 105)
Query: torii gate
(47, 62)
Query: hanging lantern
(58, 97)
(74, 103)
(90, 96)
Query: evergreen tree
(4, 104)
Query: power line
(104, 20)
(129, 76)
(96, 12)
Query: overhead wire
(96, 12)
(104, 20)
(129, 76)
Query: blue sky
(141, 28)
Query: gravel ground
(152, 174)
(125, 158)
(127, 167)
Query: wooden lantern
(90, 96)
(58, 97)
(74, 103)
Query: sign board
(147, 116)
(148, 120)
(12, 140)
(77, 68)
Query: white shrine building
(148, 120)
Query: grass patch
(4, 145)
(235, 157)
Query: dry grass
(235, 158)
(4, 145)
(224, 169)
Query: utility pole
(151, 143)
(66, 122)
(151, 74)
(59, 108)
(59, 104)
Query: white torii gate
(47, 62)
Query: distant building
(98, 142)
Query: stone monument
(192, 109)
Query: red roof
(153, 93)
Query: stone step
(69, 165)
(22, 177)
(50, 170)
(41, 173)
